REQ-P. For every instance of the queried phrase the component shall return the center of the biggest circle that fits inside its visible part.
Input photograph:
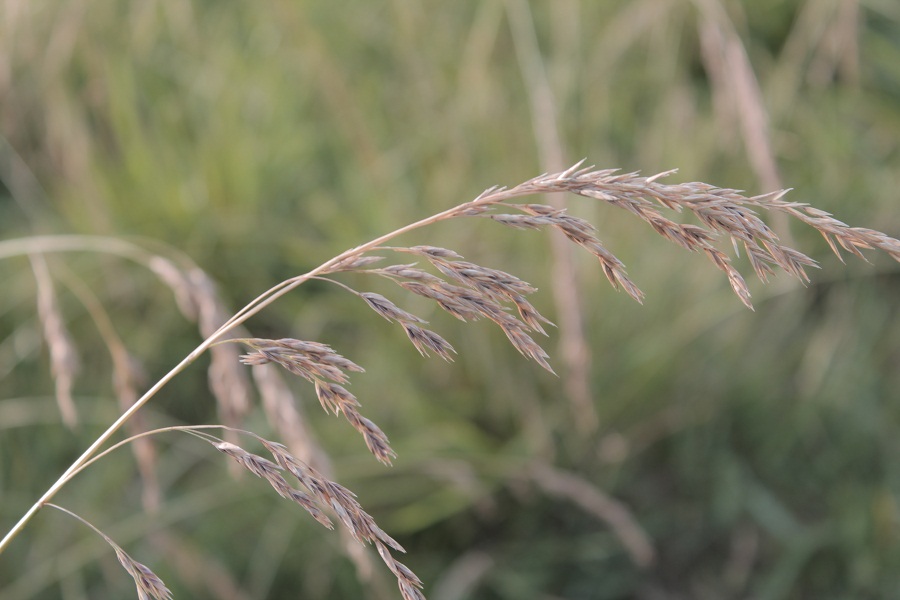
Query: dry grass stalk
(63, 354)
(574, 349)
(149, 585)
(198, 301)
(595, 501)
(228, 382)
(469, 291)
(177, 281)
(736, 89)
(128, 375)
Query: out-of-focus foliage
(757, 449)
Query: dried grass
(128, 375)
(148, 584)
(63, 353)
(318, 495)
(594, 501)
(574, 350)
(468, 291)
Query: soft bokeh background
(757, 450)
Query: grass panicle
(318, 495)
(149, 585)
(469, 292)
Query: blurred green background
(756, 450)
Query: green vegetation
(757, 450)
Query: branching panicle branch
(149, 585)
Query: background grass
(757, 449)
